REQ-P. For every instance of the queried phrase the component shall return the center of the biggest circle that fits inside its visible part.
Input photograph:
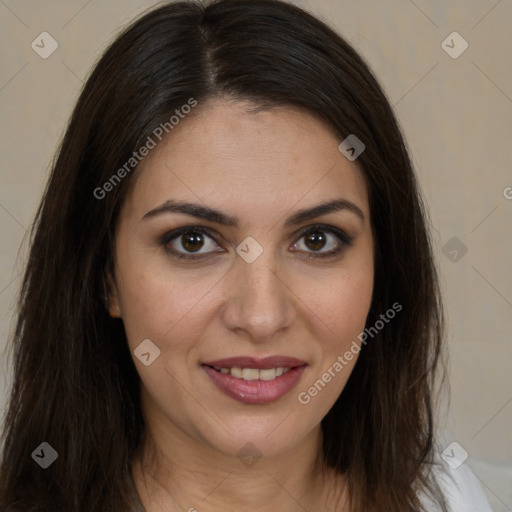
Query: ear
(112, 297)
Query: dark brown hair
(75, 385)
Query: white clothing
(462, 490)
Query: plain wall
(456, 114)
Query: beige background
(456, 114)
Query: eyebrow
(216, 216)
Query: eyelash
(344, 239)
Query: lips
(255, 381)
(259, 363)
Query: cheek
(337, 302)
(157, 303)
(337, 309)
(163, 308)
(350, 305)
(339, 318)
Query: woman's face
(247, 334)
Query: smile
(255, 381)
(253, 373)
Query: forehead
(258, 162)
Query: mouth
(255, 381)
(253, 373)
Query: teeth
(254, 373)
(236, 372)
(250, 374)
(268, 374)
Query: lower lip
(255, 391)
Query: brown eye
(192, 241)
(315, 240)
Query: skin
(262, 168)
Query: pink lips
(255, 391)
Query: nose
(260, 302)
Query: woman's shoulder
(461, 488)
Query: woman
(230, 301)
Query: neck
(178, 472)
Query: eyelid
(344, 240)
(175, 233)
(340, 233)
(343, 237)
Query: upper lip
(259, 363)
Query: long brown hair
(75, 385)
